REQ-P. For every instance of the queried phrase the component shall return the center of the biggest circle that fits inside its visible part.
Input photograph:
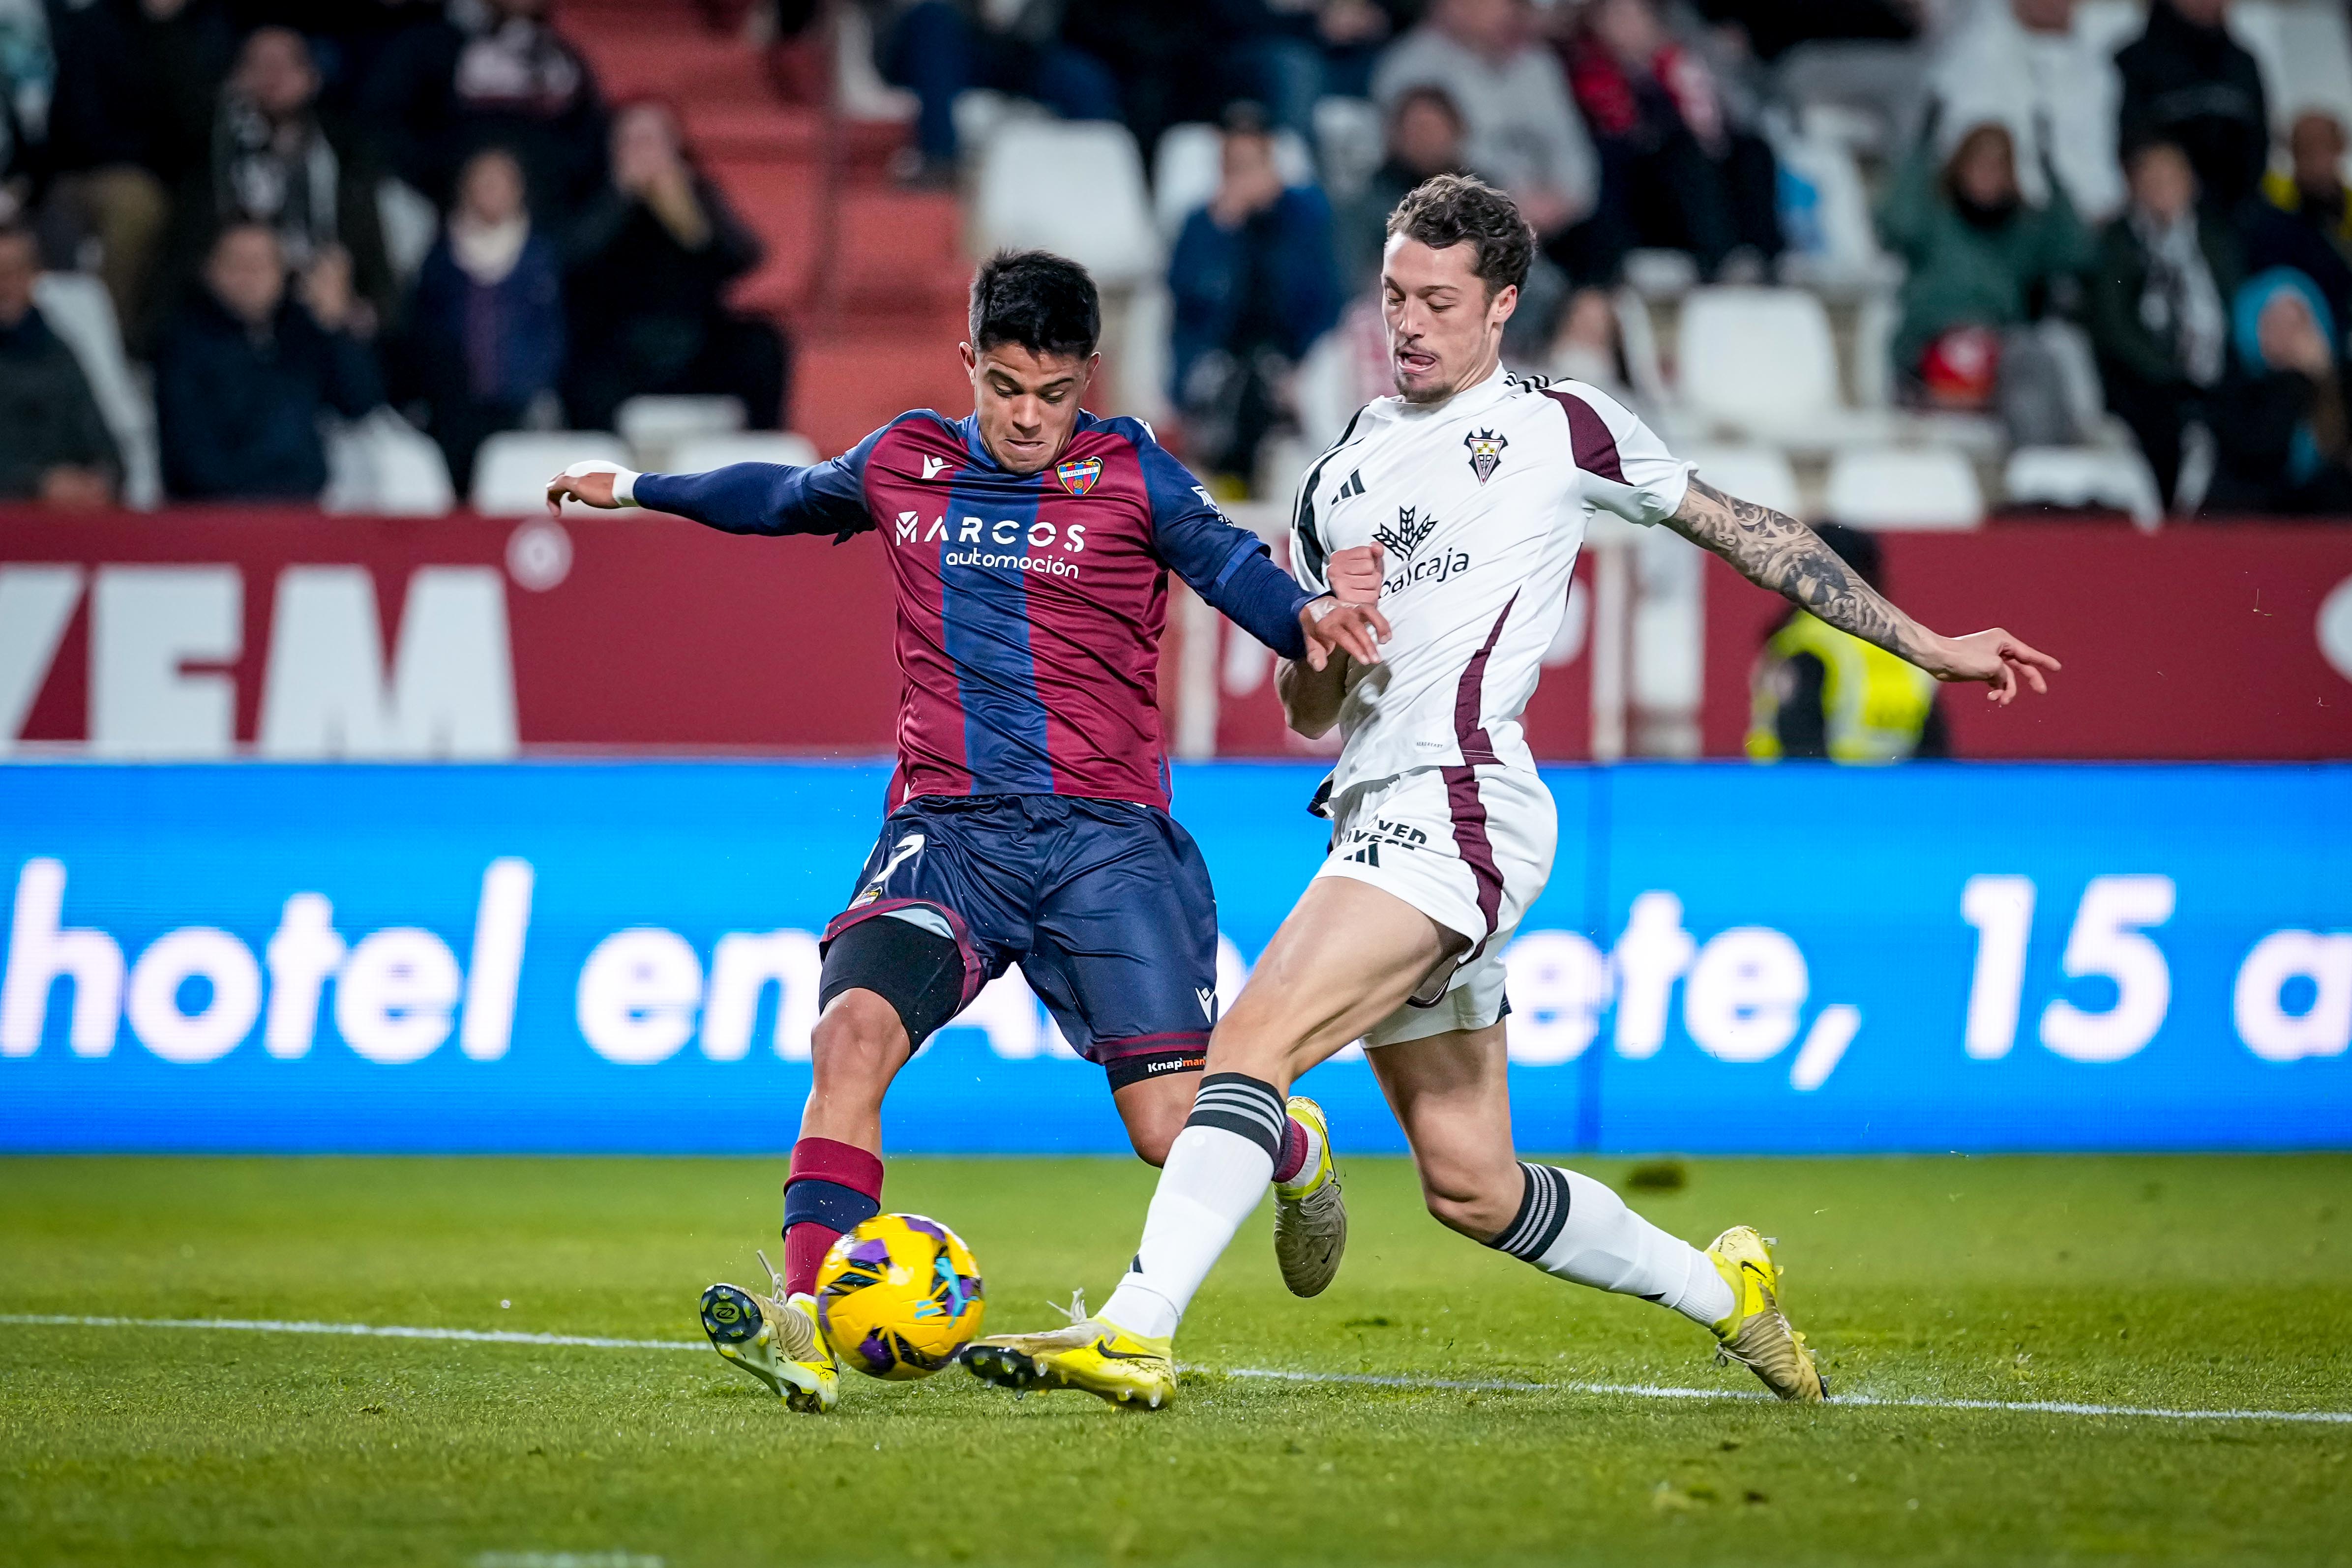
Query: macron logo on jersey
(931, 465)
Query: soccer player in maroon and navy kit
(1030, 543)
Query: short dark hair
(1449, 209)
(1044, 302)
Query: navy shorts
(1106, 905)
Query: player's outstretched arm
(1774, 551)
(740, 498)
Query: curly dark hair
(1448, 209)
(1044, 302)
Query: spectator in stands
(137, 84)
(275, 162)
(2159, 312)
(2282, 435)
(1589, 346)
(1671, 160)
(1821, 695)
(485, 344)
(245, 371)
(940, 50)
(2304, 221)
(2020, 63)
(651, 261)
(28, 71)
(2186, 81)
(54, 445)
(492, 73)
(1424, 139)
(1525, 133)
(1982, 262)
(1287, 54)
(1254, 286)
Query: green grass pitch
(2193, 1285)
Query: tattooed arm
(1781, 553)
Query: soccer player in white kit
(1475, 487)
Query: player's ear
(1506, 299)
(971, 358)
(1094, 363)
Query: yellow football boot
(1756, 1334)
(1310, 1217)
(776, 1339)
(1089, 1355)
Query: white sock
(1216, 1173)
(1573, 1228)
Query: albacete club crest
(1079, 477)
(1408, 534)
(1485, 453)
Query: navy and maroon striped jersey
(1029, 606)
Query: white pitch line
(1360, 1379)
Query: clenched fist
(1354, 574)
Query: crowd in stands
(247, 179)
(2054, 202)
(226, 168)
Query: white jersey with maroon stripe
(1480, 504)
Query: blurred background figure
(2303, 220)
(486, 328)
(130, 122)
(2186, 81)
(246, 371)
(1255, 285)
(2280, 424)
(492, 73)
(1818, 694)
(651, 261)
(1289, 54)
(1864, 56)
(1676, 171)
(1525, 133)
(1983, 261)
(2020, 64)
(2158, 308)
(1424, 138)
(274, 161)
(54, 445)
(940, 50)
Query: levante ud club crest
(1079, 477)
(1485, 453)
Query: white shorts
(1470, 848)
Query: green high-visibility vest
(1875, 707)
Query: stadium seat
(2083, 477)
(697, 454)
(1909, 489)
(512, 474)
(1825, 211)
(1190, 164)
(78, 310)
(382, 466)
(2306, 55)
(655, 426)
(1762, 362)
(1758, 474)
(1075, 189)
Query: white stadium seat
(1909, 489)
(382, 466)
(1762, 362)
(2306, 55)
(2083, 477)
(654, 425)
(2108, 25)
(1758, 474)
(78, 310)
(1074, 189)
(512, 474)
(706, 452)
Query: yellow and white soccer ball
(899, 1296)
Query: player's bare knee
(1463, 1201)
(857, 1044)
